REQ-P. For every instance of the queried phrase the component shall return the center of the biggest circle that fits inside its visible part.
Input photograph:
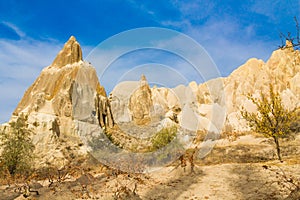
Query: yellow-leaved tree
(272, 118)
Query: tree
(294, 40)
(272, 118)
(17, 154)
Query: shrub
(163, 137)
(17, 155)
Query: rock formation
(67, 95)
(140, 103)
(282, 70)
(206, 106)
(66, 103)
(71, 53)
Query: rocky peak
(71, 53)
(143, 81)
(140, 103)
(62, 102)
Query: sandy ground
(212, 179)
(225, 181)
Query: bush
(163, 137)
(17, 155)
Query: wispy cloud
(194, 10)
(274, 7)
(21, 63)
(20, 33)
(229, 42)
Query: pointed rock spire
(143, 81)
(143, 77)
(70, 53)
(140, 103)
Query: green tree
(272, 118)
(17, 147)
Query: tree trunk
(276, 140)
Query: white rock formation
(282, 70)
(179, 104)
(206, 106)
(64, 102)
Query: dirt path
(225, 181)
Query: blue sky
(232, 31)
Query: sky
(231, 31)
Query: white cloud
(228, 41)
(194, 10)
(230, 44)
(21, 63)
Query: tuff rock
(140, 103)
(217, 103)
(64, 100)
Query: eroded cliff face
(52, 91)
(64, 100)
(135, 102)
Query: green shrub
(163, 137)
(17, 155)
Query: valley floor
(224, 174)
